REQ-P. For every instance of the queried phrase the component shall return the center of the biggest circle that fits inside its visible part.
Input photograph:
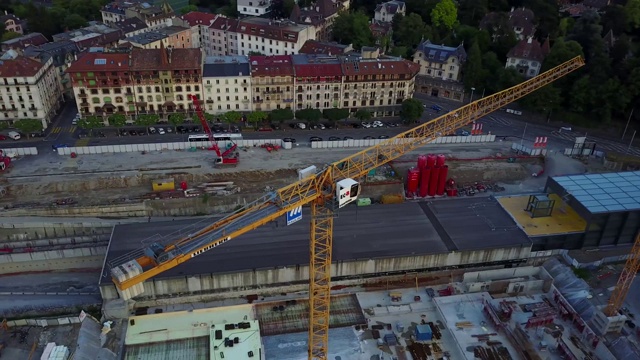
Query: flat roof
(377, 231)
(602, 193)
(563, 219)
(192, 334)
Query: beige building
(440, 70)
(318, 81)
(226, 83)
(29, 89)
(271, 82)
(11, 23)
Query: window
(107, 100)
(95, 100)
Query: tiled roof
(306, 65)
(198, 18)
(379, 28)
(391, 7)
(441, 53)
(172, 30)
(176, 59)
(145, 38)
(353, 66)
(58, 50)
(279, 65)
(6, 17)
(270, 29)
(596, 4)
(574, 10)
(130, 25)
(528, 49)
(224, 23)
(90, 62)
(19, 67)
(318, 47)
(33, 39)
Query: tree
(473, 75)
(545, 99)
(73, 21)
(90, 123)
(9, 35)
(614, 18)
(28, 125)
(411, 110)
(363, 115)
(280, 115)
(352, 28)
(561, 51)
(176, 119)
(117, 120)
(334, 115)
(281, 9)
(472, 11)
(231, 117)
(188, 9)
(310, 115)
(632, 9)
(411, 30)
(147, 120)
(547, 16)
(444, 15)
(257, 117)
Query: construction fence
(372, 142)
(44, 322)
(102, 149)
(525, 150)
(12, 152)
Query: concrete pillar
(604, 324)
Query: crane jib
(207, 248)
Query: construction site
(409, 251)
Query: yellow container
(163, 185)
(392, 199)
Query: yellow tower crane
(330, 189)
(631, 268)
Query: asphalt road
(510, 127)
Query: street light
(472, 90)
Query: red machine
(227, 158)
(4, 161)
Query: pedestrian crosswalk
(63, 129)
(566, 135)
(497, 120)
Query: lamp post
(472, 90)
(627, 126)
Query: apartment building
(154, 16)
(144, 81)
(253, 7)
(272, 37)
(440, 70)
(20, 43)
(199, 23)
(527, 56)
(11, 23)
(223, 37)
(177, 37)
(386, 11)
(272, 82)
(63, 53)
(378, 84)
(29, 89)
(318, 81)
(320, 16)
(131, 26)
(226, 83)
(94, 35)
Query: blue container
(423, 333)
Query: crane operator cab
(347, 191)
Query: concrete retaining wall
(11, 152)
(45, 322)
(80, 258)
(529, 151)
(101, 149)
(372, 142)
(225, 284)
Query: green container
(364, 201)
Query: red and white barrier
(540, 142)
(476, 129)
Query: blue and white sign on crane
(294, 215)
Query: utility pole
(523, 132)
(631, 142)
(627, 126)
(471, 98)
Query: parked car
(14, 135)
(356, 126)
(315, 138)
(196, 129)
(161, 131)
(181, 129)
(275, 126)
(347, 138)
(133, 133)
(334, 138)
(368, 137)
(436, 108)
(365, 125)
(36, 134)
(216, 128)
(2, 137)
(293, 126)
(392, 124)
(288, 139)
(141, 132)
(152, 130)
(235, 129)
(383, 137)
(83, 134)
(123, 132)
(630, 324)
(169, 129)
(301, 126)
(377, 123)
(100, 134)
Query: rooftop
(171, 30)
(603, 193)
(281, 30)
(100, 62)
(307, 65)
(355, 65)
(563, 219)
(440, 53)
(58, 50)
(326, 48)
(195, 334)
(391, 7)
(269, 247)
(130, 25)
(34, 39)
(226, 69)
(529, 49)
(169, 59)
(145, 38)
(278, 65)
(20, 66)
(195, 18)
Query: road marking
(499, 120)
(82, 142)
(56, 130)
(72, 129)
(564, 135)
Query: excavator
(230, 156)
(330, 189)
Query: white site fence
(102, 149)
(525, 150)
(13, 152)
(372, 142)
(44, 322)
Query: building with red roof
(318, 81)
(30, 89)
(527, 56)
(272, 79)
(199, 23)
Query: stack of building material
(60, 352)
(391, 339)
(423, 333)
(127, 271)
(47, 351)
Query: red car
(2, 137)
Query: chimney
(75, 57)
(512, 8)
(529, 40)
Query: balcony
(245, 101)
(258, 101)
(287, 100)
(82, 95)
(274, 92)
(209, 101)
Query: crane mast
(330, 189)
(224, 158)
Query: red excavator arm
(229, 157)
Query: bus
(217, 137)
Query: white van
(14, 135)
